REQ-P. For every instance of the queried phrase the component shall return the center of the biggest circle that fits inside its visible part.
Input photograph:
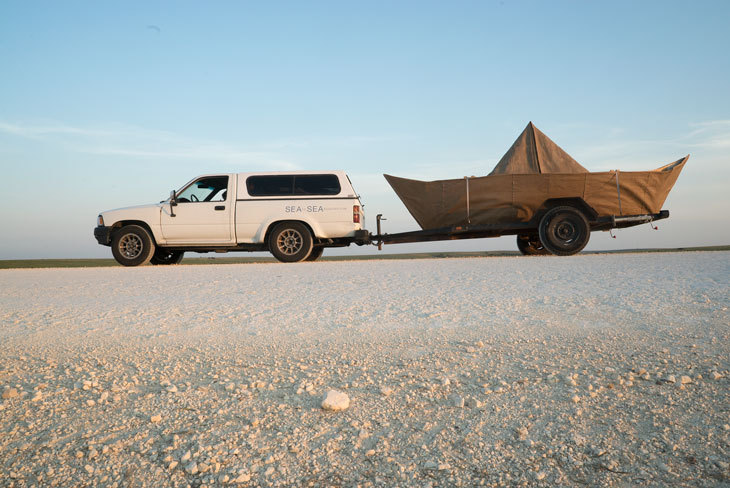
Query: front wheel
(162, 256)
(564, 231)
(132, 245)
(290, 242)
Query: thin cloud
(714, 134)
(35, 132)
(145, 144)
(134, 142)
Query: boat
(533, 176)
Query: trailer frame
(479, 231)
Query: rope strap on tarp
(468, 216)
(618, 190)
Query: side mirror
(173, 202)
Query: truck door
(203, 214)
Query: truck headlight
(100, 221)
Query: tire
(564, 231)
(290, 242)
(162, 256)
(315, 254)
(530, 245)
(132, 245)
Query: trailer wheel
(161, 256)
(530, 245)
(132, 245)
(290, 242)
(315, 254)
(564, 231)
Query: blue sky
(110, 104)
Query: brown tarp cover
(533, 170)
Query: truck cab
(294, 215)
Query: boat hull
(504, 198)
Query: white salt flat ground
(460, 372)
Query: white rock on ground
(335, 401)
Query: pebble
(191, 468)
(715, 375)
(685, 380)
(156, 418)
(335, 401)
(473, 403)
(521, 433)
(386, 391)
(671, 379)
(10, 393)
(186, 457)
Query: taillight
(356, 214)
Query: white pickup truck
(294, 215)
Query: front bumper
(103, 235)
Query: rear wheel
(290, 242)
(315, 254)
(564, 231)
(530, 245)
(161, 256)
(132, 245)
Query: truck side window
(270, 186)
(208, 189)
(288, 185)
(316, 185)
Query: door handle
(220, 207)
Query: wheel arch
(274, 223)
(141, 223)
(577, 202)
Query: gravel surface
(589, 370)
